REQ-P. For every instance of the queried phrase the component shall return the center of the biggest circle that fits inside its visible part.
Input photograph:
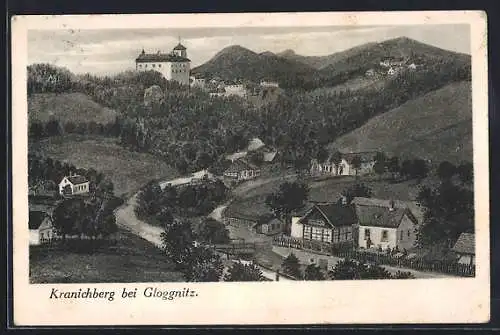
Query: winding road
(126, 218)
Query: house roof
(230, 212)
(240, 165)
(382, 216)
(365, 157)
(334, 214)
(179, 47)
(35, 219)
(77, 179)
(465, 244)
(416, 210)
(160, 57)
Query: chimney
(391, 205)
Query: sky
(111, 51)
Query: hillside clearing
(67, 107)
(131, 260)
(128, 170)
(436, 126)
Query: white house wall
(297, 228)
(376, 237)
(406, 234)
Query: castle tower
(180, 50)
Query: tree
(446, 170)
(53, 128)
(393, 166)
(419, 169)
(290, 196)
(403, 275)
(448, 212)
(244, 272)
(313, 272)
(148, 200)
(406, 168)
(356, 164)
(291, 266)
(336, 159)
(214, 232)
(322, 154)
(177, 241)
(68, 216)
(346, 269)
(203, 266)
(356, 190)
(465, 172)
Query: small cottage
(465, 249)
(269, 225)
(73, 185)
(40, 226)
(385, 226)
(350, 164)
(241, 170)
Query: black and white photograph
(283, 154)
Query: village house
(74, 185)
(269, 84)
(241, 170)
(235, 89)
(465, 249)
(41, 229)
(329, 223)
(382, 224)
(347, 165)
(266, 224)
(197, 82)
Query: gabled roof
(35, 219)
(77, 179)
(179, 47)
(240, 165)
(230, 212)
(465, 244)
(413, 206)
(365, 157)
(378, 216)
(160, 57)
(332, 213)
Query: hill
(309, 72)
(67, 107)
(128, 170)
(436, 126)
(237, 62)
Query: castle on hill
(173, 66)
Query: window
(145, 65)
(159, 65)
(401, 235)
(385, 236)
(307, 232)
(367, 234)
(327, 235)
(409, 233)
(316, 233)
(154, 65)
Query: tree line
(192, 130)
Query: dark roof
(75, 180)
(416, 210)
(382, 216)
(240, 165)
(465, 244)
(230, 212)
(365, 157)
(35, 219)
(159, 57)
(179, 47)
(334, 214)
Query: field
(131, 260)
(436, 126)
(128, 170)
(67, 107)
(329, 190)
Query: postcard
(250, 169)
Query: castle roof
(160, 57)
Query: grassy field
(128, 170)
(329, 190)
(74, 107)
(436, 126)
(131, 260)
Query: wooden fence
(419, 264)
